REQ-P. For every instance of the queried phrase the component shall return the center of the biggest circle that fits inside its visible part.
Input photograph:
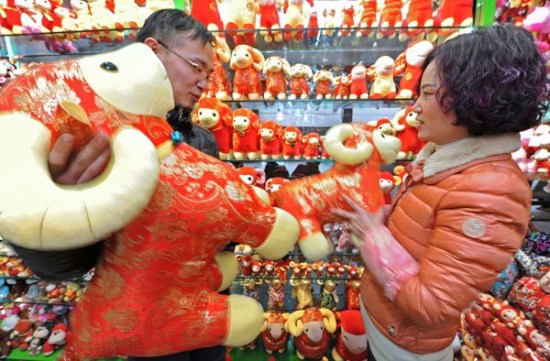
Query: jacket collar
(437, 159)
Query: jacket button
(391, 330)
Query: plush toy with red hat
(352, 339)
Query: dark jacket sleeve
(60, 265)
(203, 140)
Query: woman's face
(436, 125)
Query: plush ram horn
(329, 320)
(293, 323)
(335, 147)
(37, 213)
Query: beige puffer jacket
(462, 214)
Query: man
(184, 46)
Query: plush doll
(276, 293)
(206, 11)
(40, 336)
(294, 19)
(323, 80)
(247, 62)
(274, 335)
(406, 126)
(273, 185)
(311, 143)
(271, 143)
(391, 18)
(299, 75)
(329, 296)
(313, 25)
(292, 143)
(348, 14)
(241, 21)
(419, 16)
(21, 18)
(342, 84)
(245, 136)
(312, 329)
(270, 27)
(387, 184)
(302, 290)
(358, 151)
(156, 203)
(452, 14)
(218, 84)
(351, 344)
(277, 71)
(217, 117)
(329, 22)
(58, 338)
(409, 64)
(383, 85)
(104, 22)
(368, 20)
(358, 86)
(23, 330)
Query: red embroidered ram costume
(359, 151)
(165, 209)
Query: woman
(464, 208)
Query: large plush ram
(165, 209)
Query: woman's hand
(69, 167)
(360, 221)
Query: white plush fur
(282, 237)
(440, 158)
(246, 320)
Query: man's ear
(152, 43)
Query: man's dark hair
(167, 25)
(494, 79)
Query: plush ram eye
(107, 65)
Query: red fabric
(299, 86)
(310, 349)
(275, 83)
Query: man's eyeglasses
(196, 67)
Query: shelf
(336, 51)
(313, 104)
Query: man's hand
(68, 167)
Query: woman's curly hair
(493, 78)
